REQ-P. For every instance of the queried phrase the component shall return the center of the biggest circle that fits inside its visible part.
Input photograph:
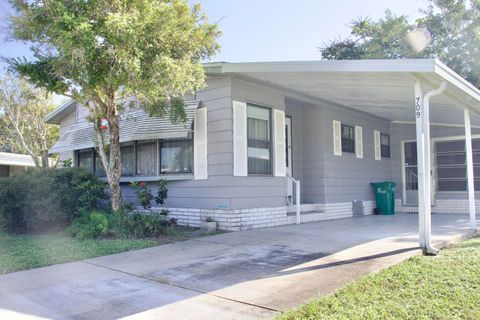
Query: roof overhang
(60, 112)
(384, 88)
(15, 159)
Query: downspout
(429, 249)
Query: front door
(410, 179)
(288, 154)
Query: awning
(134, 125)
(383, 88)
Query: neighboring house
(13, 163)
(334, 126)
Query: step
(307, 207)
(304, 213)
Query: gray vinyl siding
(222, 189)
(328, 178)
(406, 132)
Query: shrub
(48, 199)
(162, 192)
(137, 225)
(144, 195)
(90, 225)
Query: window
(99, 170)
(85, 159)
(452, 165)
(146, 158)
(176, 156)
(385, 145)
(128, 159)
(259, 135)
(348, 139)
(142, 158)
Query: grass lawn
(446, 286)
(20, 252)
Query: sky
(268, 30)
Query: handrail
(296, 196)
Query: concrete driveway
(243, 275)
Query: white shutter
(337, 138)
(376, 138)
(200, 156)
(359, 142)
(240, 160)
(279, 143)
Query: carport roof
(384, 88)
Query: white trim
(337, 138)
(359, 142)
(372, 65)
(434, 124)
(200, 145)
(240, 148)
(279, 169)
(377, 145)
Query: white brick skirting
(245, 219)
(441, 206)
(345, 209)
(230, 219)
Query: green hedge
(46, 200)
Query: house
(273, 143)
(13, 163)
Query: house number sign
(418, 108)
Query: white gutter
(422, 116)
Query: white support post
(470, 176)
(419, 119)
(297, 200)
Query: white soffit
(380, 87)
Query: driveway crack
(168, 283)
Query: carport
(419, 92)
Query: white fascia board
(456, 80)
(400, 65)
(55, 116)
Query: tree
(452, 25)
(22, 110)
(104, 52)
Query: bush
(48, 199)
(90, 225)
(144, 195)
(137, 225)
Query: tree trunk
(115, 162)
(45, 162)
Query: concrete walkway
(243, 275)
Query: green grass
(446, 286)
(20, 252)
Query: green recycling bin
(384, 196)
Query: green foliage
(45, 200)
(90, 225)
(101, 53)
(90, 194)
(137, 225)
(454, 29)
(67, 163)
(144, 194)
(22, 127)
(162, 192)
